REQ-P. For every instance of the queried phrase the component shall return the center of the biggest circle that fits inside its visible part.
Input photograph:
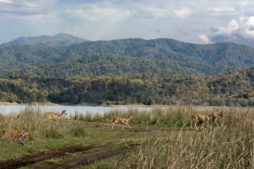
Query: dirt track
(94, 157)
(31, 159)
(46, 155)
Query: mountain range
(61, 39)
(64, 56)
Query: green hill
(231, 88)
(119, 57)
(61, 39)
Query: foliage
(232, 88)
(119, 57)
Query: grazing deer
(201, 119)
(55, 116)
(18, 135)
(121, 120)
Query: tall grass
(38, 126)
(175, 116)
(229, 145)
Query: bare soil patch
(31, 159)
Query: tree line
(233, 88)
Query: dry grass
(227, 145)
(35, 123)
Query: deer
(55, 116)
(121, 120)
(203, 119)
(18, 135)
(217, 117)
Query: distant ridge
(61, 39)
(125, 56)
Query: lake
(71, 110)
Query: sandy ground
(8, 103)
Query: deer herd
(20, 135)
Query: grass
(227, 145)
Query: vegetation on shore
(232, 88)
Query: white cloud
(232, 26)
(183, 12)
(151, 11)
(237, 30)
(222, 9)
(191, 21)
(6, 1)
(97, 12)
(205, 39)
(249, 25)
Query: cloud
(12, 8)
(183, 12)
(237, 30)
(221, 9)
(6, 1)
(191, 21)
(92, 12)
(205, 39)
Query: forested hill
(127, 56)
(61, 39)
(232, 88)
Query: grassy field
(164, 137)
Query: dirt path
(55, 153)
(95, 157)
(46, 155)
(31, 159)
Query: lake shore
(32, 104)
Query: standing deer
(55, 116)
(121, 120)
(203, 119)
(18, 135)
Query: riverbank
(162, 135)
(8, 103)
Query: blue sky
(197, 21)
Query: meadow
(161, 138)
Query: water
(71, 110)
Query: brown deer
(203, 119)
(121, 120)
(55, 116)
(217, 117)
(18, 135)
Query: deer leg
(21, 141)
(216, 122)
(128, 125)
(113, 125)
(196, 126)
(203, 124)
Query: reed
(229, 145)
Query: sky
(195, 21)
